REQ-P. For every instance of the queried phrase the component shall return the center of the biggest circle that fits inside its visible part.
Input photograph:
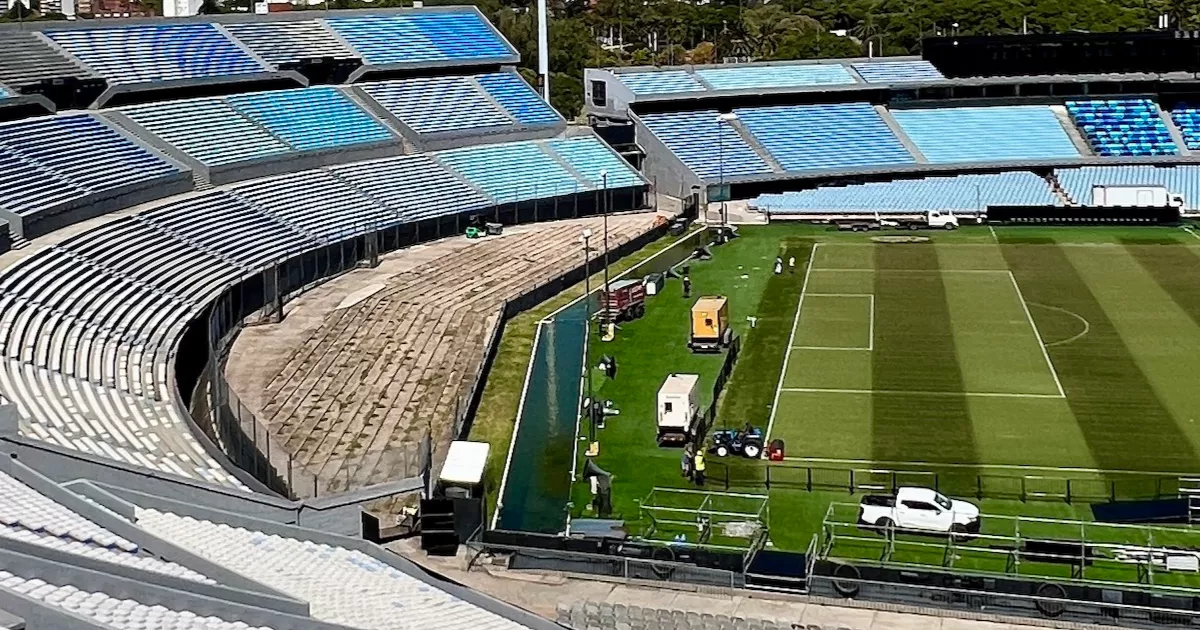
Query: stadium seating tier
(709, 148)
(416, 38)
(808, 137)
(1122, 127)
(962, 193)
(290, 42)
(1183, 179)
(661, 82)
(311, 119)
(1187, 118)
(28, 59)
(897, 71)
(56, 159)
(987, 134)
(156, 52)
(775, 77)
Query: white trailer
(933, 219)
(678, 408)
(1134, 197)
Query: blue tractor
(747, 442)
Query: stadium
(320, 320)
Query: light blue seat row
(422, 37)
(987, 134)
(521, 101)
(693, 138)
(225, 130)
(774, 77)
(661, 82)
(147, 53)
(808, 137)
(590, 157)
(439, 104)
(897, 71)
(208, 130)
(289, 42)
(512, 172)
(1122, 127)
(1181, 180)
(56, 159)
(5, 93)
(412, 187)
(312, 118)
(962, 193)
(1187, 117)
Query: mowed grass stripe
(915, 352)
(751, 388)
(1124, 423)
(1175, 269)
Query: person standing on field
(778, 265)
(698, 469)
(791, 264)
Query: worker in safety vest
(698, 468)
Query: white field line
(870, 323)
(537, 335)
(791, 340)
(1041, 342)
(871, 326)
(1190, 231)
(870, 463)
(873, 270)
(904, 392)
(994, 238)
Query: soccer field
(995, 355)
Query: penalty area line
(905, 392)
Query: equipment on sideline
(678, 408)
(710, 325)
(624, 300)
(746, 442)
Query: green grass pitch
(1023, 350)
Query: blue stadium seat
(208, 130)
(987, 134)
(312, 118)
(289, 42)
(422, 37)
(514, 171)
(1187, 117)
(55, 159)
(1122, 127)
(491, 102)
(515, 95)
(897, 71)
(771, 77)
(414, 187)
(589, 157)
(692, 137)
(437, 104)
(807, 137)
(1183, 180)
(661, 82)
(5, 93)
(156, 52)
(962, 193)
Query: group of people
(692, 463)
(791, 262)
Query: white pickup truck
(932, 219)
(918, 510)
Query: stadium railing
(736, 474)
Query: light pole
(604, 212)
(722, 119)
(585, 237)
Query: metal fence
(962, 483)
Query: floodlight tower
(544, 49)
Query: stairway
(200, 182)
(1189, 488)
(1058, 190)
